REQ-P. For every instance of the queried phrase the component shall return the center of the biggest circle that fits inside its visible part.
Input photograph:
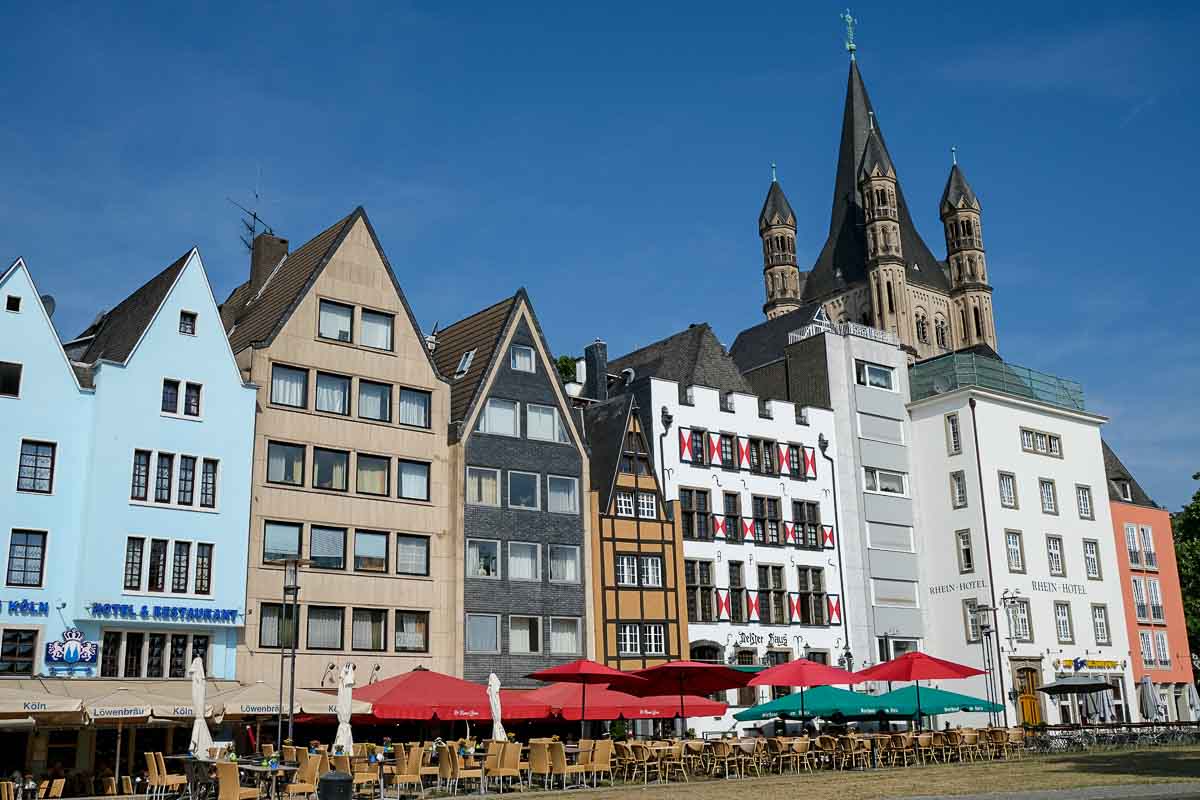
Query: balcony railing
(958, 370)
(1135, 557)
(1156, 613)
(843, 329)
(1151, 559)
(1141, 610)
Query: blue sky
(612, 158)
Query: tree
(1185, 528)
(566, 368)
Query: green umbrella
(935, 701)
(819, 701)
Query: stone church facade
(874, 268)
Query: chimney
(266, 252)
(595, 358)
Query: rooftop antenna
(954, 155)
(773, 178)
(252, 220)
(850, 23)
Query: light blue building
(131, 506)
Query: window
(368, 629)
(958, 489)
(181, 567)
(374, 474)
(187, 323)
(698, 438)
(1041, 442)
(187, 480)
(499, 417)
(629, 639)
(1055, 445)
(1160, 645)
(1147, 648)
(285, 463)
(1083, 500)
(563, 496)
(1139, 598)
(277, 626)
(564, 563)
(281, 540)
(1131, 544)
(483, 633)
(1019, 619)
(1154, 590)
(483, 558)
(693, 504)
(1091, 559)
(772, 595)
(1126, 490)
(1100, 624)
(1008, 490)
(412, 554)
(162, 477)
(170, 397)
(953, 435)
(35, 471)
(376, 329)
(414, 407)
(877, 375)
(811, 595)
(627, 570)
(1054, 556)
(327, 547)
(412, 632)
(655, 640)
(524, 634)
(141, 475)
(414, 480)
(331, 469)
(728, 459)
(1062, 623)
(520, 358)
(524, 490)
(806, 516)
(289, 386)
(336, 322)
(17, 650)
(13, 303)
(624, 504)
(1049, 496)
(737, 592)
(755, 450)
(483, 486)
(326, 627)
(733, 516)
(966, 557)
(10, 379)
(652, 571)
(885, 482)
(524, 561)
(333, 393)
(375, 400)
(545, 424)
(647, 505)
(370, 551)
(133, 563)
(564, 636)
(191, 400)
(698, 578)
(26, 557)
(894, 593)
(204, 565)
(971, 620)
(157, 573)
(464, 364)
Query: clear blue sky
(613, 157)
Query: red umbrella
(668, 705)
(584, 673)
(682, 678)
(916, 666)
(604, 703)
(803, 673)
(424, 694)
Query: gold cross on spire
(850, 23)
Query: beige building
(350, 464)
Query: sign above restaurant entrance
(1080, 664)
(202, 615)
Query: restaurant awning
(261, 699)
(604, 703)
(935, 701)
(819, 701)
(423, 694)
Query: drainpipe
(823, 444)
(987, 544)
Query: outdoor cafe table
(198, 781)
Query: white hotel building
(760, 536)
(1014, 516)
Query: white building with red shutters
(761, 557)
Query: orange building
(636, 559)
(1150, 582)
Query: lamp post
(290, 628)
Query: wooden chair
(459, 772)
(411, 775)
(902, 749)
(8, 790)
(969, 746)
(508, 765)
(925, 748)
(539, 762)
(360, 778)
(268, 749)
(827, 754)
(560, 767)
(169, 782)
(1014, 744)
(625, 762)
(851, 752)
(693, 756)
(228, 785)
(586, 748)
(153, 784)
(671, 763)
(723, 758)
(802, 748)
(445, 766)
(304, 781)
(108, 786)
(602, 762)
(747, 756)
(126, 785)
(56, 788)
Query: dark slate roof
(692, 357)
(776, 209)
(605, 424)
(115, 333)
(843, 259)
(1116, 471)
(765, 342)
(958, 192)
(480, 332)
(876, 155)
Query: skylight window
(464, 363)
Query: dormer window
(464, 364)
(13, 303)
(1126, 490)
(187, 323)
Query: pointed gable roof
(480, 332)
(776, 209)
(766, 341)
(876, 158)
(958, 192)
(1116, 471)
(606, 424)
(693, 357)
(115, 333)
(843, 259)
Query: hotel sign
(202, 615)
(1059, 587)
(961, 586)
(1079, 664)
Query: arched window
(891, 300)
(707, 653)
(978, 322)
(922, 328)
(962, 312)
(939, 332)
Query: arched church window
(978, 322)
(939, 332)
(971, 266)
(922, 328)
(962, 312)
(891, 300)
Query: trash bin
(335, 786)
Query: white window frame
(181, 400)
(1042, 483)
(1060, 605)
(464, 363)
(1162, 648)
(958, 489)
(1099, 619)
(624, 510)
(575, 494)
(499, 566)
(873, 544)
(559, 436)
(145, 654)
(1014, 501)
(623, 631)
(966, 552)
(1146, 643)
(494, 472)
(1091, 565)
(176, 461)
(537, 562)
(641, 505)
(1125, 489)
(1055, 547)
(621, 565)
(512, 361)
(1153, 593)
(1021, 619)
(971, 620)
(540, 643)
(1086, 508)
(863, 370)
(871, 475)
(537, 495)
(645, 578)
(467, 638)
(953, 435)
(1008, 552)
(484, 427)
(916, 594)
(550, 566)
(648, 648)
(578, 636)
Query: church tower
(885, 252)
(970, 292)
(777, 227)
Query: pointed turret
(776, 209)
(967, 263)
(958, 193)
(777, 227)
(875, 161)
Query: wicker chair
(602, 762)
(902, 749)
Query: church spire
(777, 227)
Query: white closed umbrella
(1147, 702)
(345, 702)
(1193, 701)
(201, 738)
(493, 693)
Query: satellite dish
(48, 302)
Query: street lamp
(290, 613)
